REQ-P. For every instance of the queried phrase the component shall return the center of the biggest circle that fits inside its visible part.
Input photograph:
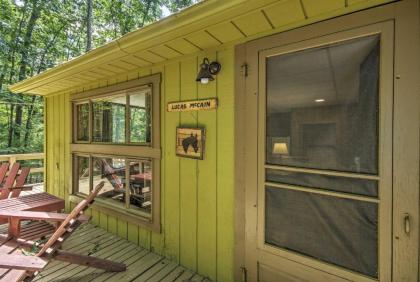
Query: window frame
(130, 151)
(75, 126)
(127, 93)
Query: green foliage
(38, 34)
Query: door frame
(405, 153)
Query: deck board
(185, 276)
(174, 274)
(142, 264)
(152, 271)
(55, 268)
(163, 272)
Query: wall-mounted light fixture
(207, 70)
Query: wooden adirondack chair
(112, 176)
(3, 170)
(18, 266)
(11, 188)
(14, 182)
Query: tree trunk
(42, 66)
(13, 49)
(31, 113)
(36, 12)
(18, 124)
(2, 75)
(10, 137)
(89, 26)
(146, 13)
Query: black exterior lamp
(207, 70)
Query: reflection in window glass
(141, 185)
(322, 107)
(112, 171)
(140, 117)
(82, 111)
(109, 119)
(83, 174)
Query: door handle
(407, 226)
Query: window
(128, 182)
(140, 127)
(82, 122)
(116, 118)
(83, 174)
(109, 119)
(116, 140)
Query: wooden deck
(142, 264)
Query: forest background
(36, 35)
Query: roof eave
(172, 22)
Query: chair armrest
(35, 215)
(15, 261)
(23, 188)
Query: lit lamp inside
(280, 149)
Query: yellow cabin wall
(197, 197)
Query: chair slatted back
(70, 223)
(20, 181)
(112, 176)
(3, 170)
(10, 181)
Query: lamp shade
(204, 75)
(280, 149)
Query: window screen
(322, 122)
(339, 231)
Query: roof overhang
(203, 26)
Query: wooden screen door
(321, 205)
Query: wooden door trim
(406, 137)
(240, 149)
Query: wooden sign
(196, 105)
(190, 142)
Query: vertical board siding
(48, 139)
(56, 144)
(58, 161)
(122, 228)
(112, 224)
(61, 141)
(188, 173)
(196, 196)
(225, 167)
(207, 183)
(171, 177)
(67, 137)
(133, 233)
